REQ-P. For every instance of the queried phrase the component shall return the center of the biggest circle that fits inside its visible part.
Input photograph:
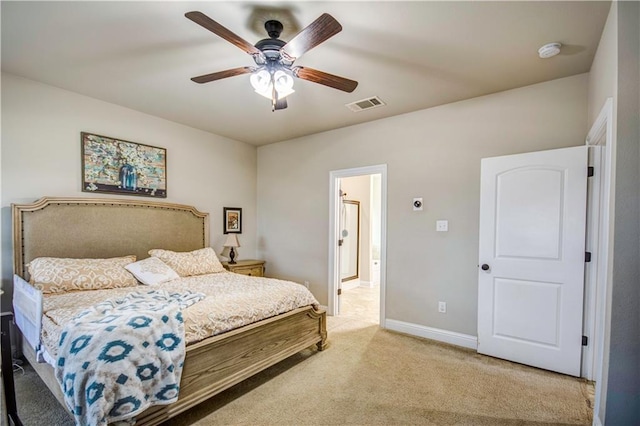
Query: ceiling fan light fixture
(260, 80)
(263, 83)
(283, 83)
(273, 75)
(267, 93)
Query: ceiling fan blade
(208, 23)
(280, 104)
(222, 74)
(315, 33)
(326, 79)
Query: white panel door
(532, 249)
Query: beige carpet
(370, 376)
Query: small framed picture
(232, 220)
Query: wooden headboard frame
(103, 228)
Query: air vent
(365, 104)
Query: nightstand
(252, 267)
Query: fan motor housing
(268, 44)
(271, 46)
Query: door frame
(599, 232)
(334, 212)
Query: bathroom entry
(359, 242)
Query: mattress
(232, 301)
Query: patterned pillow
(152, 271)
(186, 264)
(59, 275)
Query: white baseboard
(367, 284)
(451, 337)
(596, 420)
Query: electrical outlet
(306, 284)
(442, 307)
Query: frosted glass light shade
(283, 83)
(263, 84)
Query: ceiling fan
(273, 74)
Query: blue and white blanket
(120, 356)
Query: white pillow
(152, 271)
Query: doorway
(357, 243)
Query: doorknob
(484, 267)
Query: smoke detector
(549, 50)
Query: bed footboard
(215, 364)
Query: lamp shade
(232, 241)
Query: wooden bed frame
(105, 227)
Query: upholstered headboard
(102, 228)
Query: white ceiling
(413, 55)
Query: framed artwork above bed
(117, 166)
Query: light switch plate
(417, 204)
(442, 225)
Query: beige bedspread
(232, 301)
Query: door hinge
(590, 171)
(585, 340)
(587, 256)
(339, 291)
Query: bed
(106, 228)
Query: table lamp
(232, 242)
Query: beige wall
(41, 128)
(603, 76)
(434, 154)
